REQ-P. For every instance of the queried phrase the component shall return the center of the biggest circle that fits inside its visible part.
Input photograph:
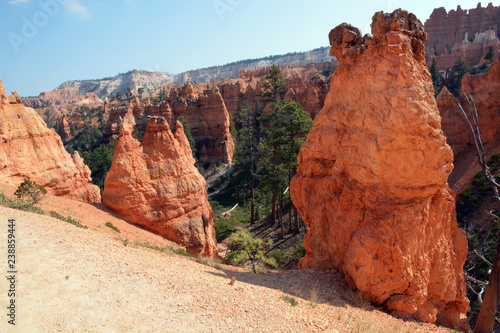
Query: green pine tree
(436, 76)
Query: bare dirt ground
(87, 280)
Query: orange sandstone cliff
(372, 178)
(30, 150)
(156, 185)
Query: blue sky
(46, 42)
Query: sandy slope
(76, 280)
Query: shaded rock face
(208, 118)
(372, 178)
(206, 114)
(156, 185)
(485, 90)
(30, 150)
(462, 33)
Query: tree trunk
(280, 214)
(291, 204)
(252, 195)
(491, 300)
(273, 208)
(296, 219)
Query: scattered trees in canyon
(267, 150)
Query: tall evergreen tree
(436, 76)
(245, 151)
(454, 81)
(273, 86)
(490, 54)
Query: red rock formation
(209, 121)
(485, 90)
(372, 178)
(462, 33)
(30, 150)
(156, 185)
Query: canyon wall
(205, 112)
(156, 185)
(462, 33)
(372, 178)
(30, 150)
(485, 91)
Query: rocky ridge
(372, 178)
(108, 87)
(30, 150)
(156, 185)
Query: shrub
(68, 220)
(299, 252)
(279, 257)
(290, 300)
(243, 248)
(110, 225)
(30, 189)
(183, 252)
(19, 205)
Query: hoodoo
(372, 178)
(156, 185)
(31, 150)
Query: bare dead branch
(483, 259)
(478, 294)
(493, 215)
(478, 282)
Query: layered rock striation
(462, 33)
(209, 120)
(372, 178)
(29, 150)
(156, 185)
(205, 112)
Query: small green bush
(19, 205)
(290, 300)
(299, 252)
(68, 220)
(110, 225)
(183, 252)
(244, 248)
(279, 257)
(30, 189)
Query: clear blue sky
(46, 42)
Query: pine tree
(490, 54)
(273, 86)
(436, 76)
(245, 151)
(454, 81)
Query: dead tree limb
(491, 299)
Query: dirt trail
(87, 280)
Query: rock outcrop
(30, 150)
(485, 90)
(156, 185)
(208, 118)
(372, 178)
(206, 114)
(462, 33)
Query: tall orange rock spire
(156, 185)
(372, 178)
